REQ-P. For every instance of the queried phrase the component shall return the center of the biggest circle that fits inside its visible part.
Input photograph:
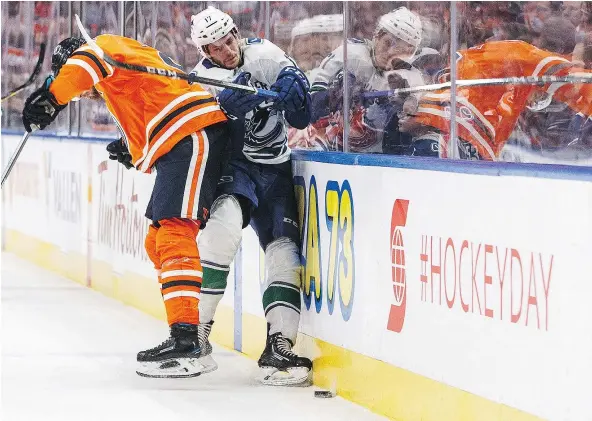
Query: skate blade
(176, 368)
(208, 363)
(296, 376)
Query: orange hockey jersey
(486, 115)
(153, 112)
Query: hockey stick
(33, 76)
(14, 156)
(526, 80)
(192, 78)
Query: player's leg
(275, 222)
(181, 198)
(219, 242)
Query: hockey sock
(213, 287)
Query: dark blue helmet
(63, 51)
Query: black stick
(33, 76)
(193, 78)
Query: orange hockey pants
(172, 248)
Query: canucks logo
(264, 128)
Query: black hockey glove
(119, 152)
(41, 107)
(336, 91)
(292, 87)
(236, 103)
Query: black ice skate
(177, 357)
(206, 359)
(280, 365)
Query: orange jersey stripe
(196, 177)
(153, 112)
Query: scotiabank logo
(399, 274)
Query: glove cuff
(297, 74)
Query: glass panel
(129, 29)
(519, 122)
(509, 121)
(391, 45)
(144, 12)
(18, 59)
(74, 107)
(58, 12)
(98, 18)
(309, 32)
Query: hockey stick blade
(192, 78)
(33, 76)
(527, 80)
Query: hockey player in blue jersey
(257, 188)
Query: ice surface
(68, 354)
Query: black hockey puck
(324, 394)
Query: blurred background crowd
(310, 32)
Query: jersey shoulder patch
(356, 41)
(251, 41)
(262, 50)
(207, 63)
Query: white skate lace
(204, 332)
(284, 347)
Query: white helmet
(209, 26)
(328, 23)
(303, 27)
(403, 24)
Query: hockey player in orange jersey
(486, 115)
(169, 126)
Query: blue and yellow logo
(339, 281)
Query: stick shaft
(14, 157)
(193, 78)
(527, 80)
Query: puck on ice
(324, 394)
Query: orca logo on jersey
(167, 60)
(399, 277)
(265, 128)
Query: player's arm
(578, 96)
(328, 87)
(293, 96)
(324, 85)
(81, 71)
(290, 83)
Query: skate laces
(162, 345)
(203, 332)
(283, 346)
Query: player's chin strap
(170, 73)
(526, 80)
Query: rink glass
(309, 32)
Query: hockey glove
(235, 103)
(378, 115)
(292, 87)
(119, 152)
(41, 107)
(336, 91)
